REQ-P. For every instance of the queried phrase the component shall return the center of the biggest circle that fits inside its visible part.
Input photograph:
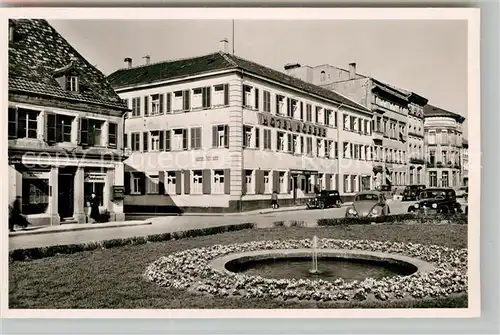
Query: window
(280, 101)
(247, 136)
(433, 179)
(221, 95)
(112, 134)
(197, 182)
(280, 145)
(267, 102)
(267, 139)
(179, 139)
(346, 121)
(444, 179)
(327, 117)
(153, 183)
(35, 196)
(296, 146)
(282, 182)
(346, 153)
(444, 156)
(353, 124)
(249, 181)
(201, 98)
(182, 101)
(220, 136)
(135, 141)
(444, 137)
(90, 131)
(323, 76)
(27, 123)
(309, 146)
(319, 147)
(136, 106)
(155, 140)
(317, 114)
(247, 96)
(432, 157)
(218, 183)
(328, 148)
(292, 105)
(267, 182)
(196, 138)
(135, 185)
(346, 183)
(156, 104)
(72, 83)
(308, 113)
(360, 125)
(432, 137)
(12, 122)
(367, 127)
(171, 181)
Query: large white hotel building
(220, 133)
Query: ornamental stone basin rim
(219, 263)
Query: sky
(428, 57)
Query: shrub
(456, 218)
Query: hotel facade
(65, 126)
(397, 123)
(221, 133)
(444, 142)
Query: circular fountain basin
(332, 264)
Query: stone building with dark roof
(398, 122)
(444, 144)
(222, 133)
(65, 129)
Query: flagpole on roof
(233, 36)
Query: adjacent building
(397, 121)
(444, 143)
(465, 162)
(222, 133)
(65, 129)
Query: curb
(93, 226)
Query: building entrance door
(66, 194)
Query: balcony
(415, 134)
(417, 161)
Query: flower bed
(190, 270)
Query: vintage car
(462, 192)
(411, 192)
(368, 204)
(325, 199)
(436, 200)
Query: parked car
(436, 200)
(368, 204)
(411, 192)
(462, 192)
(325, 199)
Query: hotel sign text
(291, 125)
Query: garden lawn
(112, 278)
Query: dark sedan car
(411, 192)
(436, 200)
(325, 199)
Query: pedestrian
(274, 200)
(15, 217)
(94, 208)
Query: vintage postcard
(240, 162)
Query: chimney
(352, 70)
(290, 67)
(224, 45)
(11, 33)
(148, 59)
(128, 61)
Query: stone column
(79, 196)
(118, 204)
(74, 130)
(53, 209)
(108, 188)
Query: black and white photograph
(241, 162)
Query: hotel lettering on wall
(93, 177)
(36, 174)
(290, 125)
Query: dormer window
(72, 83)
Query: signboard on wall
(297, 126)
(36, 174)
(118, 192)
(95, 177)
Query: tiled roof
(157, 72)
(433, 111)
(39, 51)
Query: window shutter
(207, 181)
(288, 107)
(227, 181)
(290, 181)
(256, 98)
(169, 102)
(161, 182)
(51, 128)
(167, 140)
(276, 181)
(12, 122)
(277, 104)
(146, 105)
(193, 138)
(243, 182)
(290, 142)
(187, 181)
(162, 140)
(215, 137)
(186, 98)
(259, 181)
(184, 139)
(125, 141)
(226, 136)
(244, 95)
(178, 182)
(126, 182)
(145, 140)
(257, 138)
(226, 94)
(209, 97)
(162, 109)
(112, 132)
(142, 183)
(328, 178)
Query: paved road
(179, 223)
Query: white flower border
(191, 270)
